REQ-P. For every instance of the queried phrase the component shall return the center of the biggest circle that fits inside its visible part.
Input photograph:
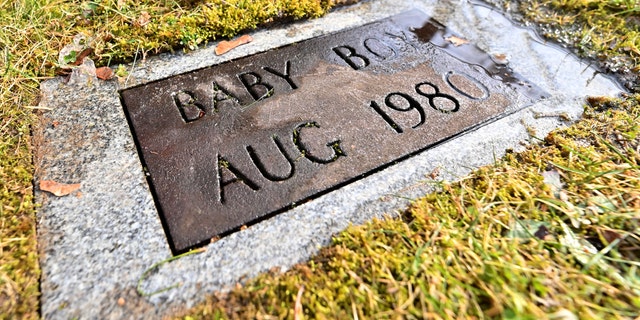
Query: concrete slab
(96, 244)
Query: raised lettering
(224, 165)
(255, 86)
(286, 76)
(335, 145)
(349, 55)
(187, 104)
(261, 167)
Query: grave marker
(234, 143)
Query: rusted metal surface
(231, 144)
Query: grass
(463, 260)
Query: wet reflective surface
(234, 143)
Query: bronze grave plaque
(230, 144)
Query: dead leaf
(434, 173)
(457, 41)
(225, 46)
(58, 189)
(104, 73)
(500, 58)
(610, 235)
(80, 56)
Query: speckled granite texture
(96, 244)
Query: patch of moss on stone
(607, 32)
(120, 29)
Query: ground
(550, 232)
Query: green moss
(120, 31)
(606, 31)
(19, 273)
